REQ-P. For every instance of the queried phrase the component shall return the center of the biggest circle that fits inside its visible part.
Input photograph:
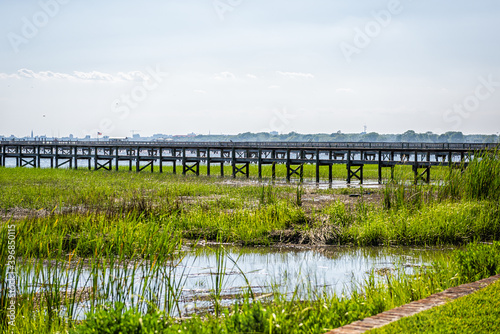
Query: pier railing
(341, 145)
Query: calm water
(335, 269)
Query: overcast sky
(232, 66)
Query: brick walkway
(412, 308)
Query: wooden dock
(240, 155)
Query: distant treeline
(408, 136)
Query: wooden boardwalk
(240, 155)
(387, 317)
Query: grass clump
(434, 224)
(477, 261)
(116, 318)
(479, 181)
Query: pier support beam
(299, 171)
(149, 164)
(245, 169)
(380, 168)
(424, 175)
(195, 168)
(108, 165)
(161, 160)
(64, 162)
(183, 161)
(28, 162)
(95, 158)
(208, 161)
(75, 157)
(356, 173)
(259, 162)
(138, 160)
(317, 166)
(233, 161)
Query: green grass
(81, 209)
(48, 188)
(83, 235)
(98, 220)
(434, 224)
(475, 313)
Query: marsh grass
(51, 293)
(479, 181)
(120, 233)
(321, 310)
(124, 210)
(66, 191)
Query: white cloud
(133, 76)
(25, 73)
(251, 76)
(200, 91)
(273, 87)
(52, 75)
(225, 76)
(94, 75)
(295, 75)
(344, 90)
(8, 76)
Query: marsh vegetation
(114, 245)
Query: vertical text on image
(11, 276)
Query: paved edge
(415, 307)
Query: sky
(233, 66)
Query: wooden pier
(240, 155)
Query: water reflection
(287, 270)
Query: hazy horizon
(236, 66)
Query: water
(267, 269)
